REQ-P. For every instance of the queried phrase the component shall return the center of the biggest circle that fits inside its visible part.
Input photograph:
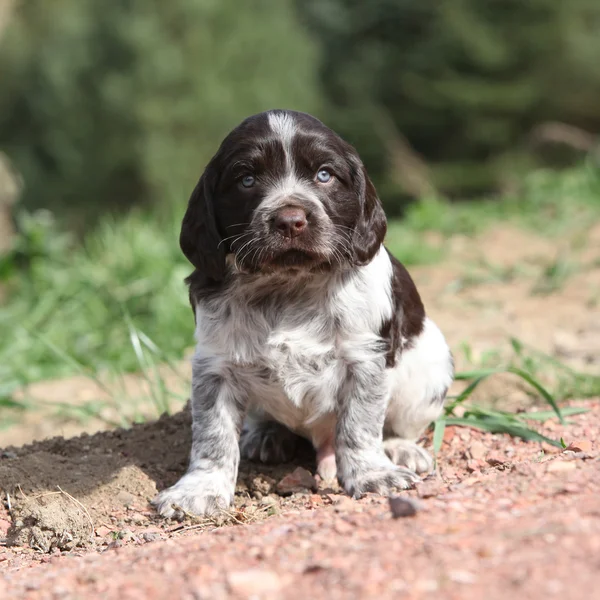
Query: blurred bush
(107, 104)
(447, 95)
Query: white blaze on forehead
(283, 126)
(290, 184)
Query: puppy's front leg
(362, 465)
(218, 405)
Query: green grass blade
(548, 414)
(438, 436)
(464, 395)
(480, 375)
(540, 388)
(502, 426)
(67, 358)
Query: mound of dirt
(59, 492)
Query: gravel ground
(500, 517)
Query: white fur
(309, 342)
(422, 376)
(290, 185)
(198, 492)
(282, 125)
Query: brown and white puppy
(305, 324)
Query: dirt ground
(499, 518)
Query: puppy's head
(283, 192)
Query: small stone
(150, 537)
(402, 506)
(344, 504)
(569, 488)
(477, 450)
(254, 582)
(549, 448)
(263, 485)
(138, 518)
(579, 446)
(464, 577)
(430, 489)
(298, 481)
(103, 531)
(474, 465)
(126, 535)
(561, 466)
(449, 434)
(496, 460)
(315, 500)
(342, 527)
(268, 501)
(126, 498)
(114, 545)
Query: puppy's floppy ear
(371, 224)
(199, 238)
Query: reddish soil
(501, 518)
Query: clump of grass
(531, 367)
(66, 300)
(554, 276)
(548, 202)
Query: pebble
(579, 446)
(342, 527)
(464, 577)
(430, 489)
(477, 450)
(344, 504)
(299, 480)
(402, 506)
(254, 582)
(496, 460)
(561, 466)
(103, 531)
(126, 498)
(114, 545)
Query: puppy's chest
(302, 340)
(291, 343)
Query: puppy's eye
(248, 181)
(324, 176)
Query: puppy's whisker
(236, 225)
(244, 245)
(237, 237)
(250, 249)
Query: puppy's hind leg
(265, 440)
(419, 383)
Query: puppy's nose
(290, 221)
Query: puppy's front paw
(200, 493)
(359, 475)
(408, 454)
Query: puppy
(305, 323)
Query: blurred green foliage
(104, 105)
(107, 104)
(70, 305)
(459, 83)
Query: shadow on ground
(59, 490)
